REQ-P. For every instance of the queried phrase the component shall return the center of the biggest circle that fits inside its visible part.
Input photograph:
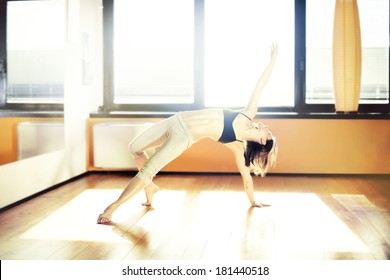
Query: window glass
(238, 35)
(35, 51)
(153, 51)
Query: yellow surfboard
(347, 56)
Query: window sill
(265, 115)
(30, 114)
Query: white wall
(83, 93)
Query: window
(174, 54)
(153, 51)
(237, 44)
(201, 53)
(33, 64)
(374, 22)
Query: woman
(252, 144)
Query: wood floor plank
(205, 217)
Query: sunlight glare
(290, 214)
(76, 220)
(84, 209)
(298, 221)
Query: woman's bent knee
(134, 151)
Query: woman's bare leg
(133, 187)
(152, 137)
(151, 188)
(156, 136)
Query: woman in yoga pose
(252, 144)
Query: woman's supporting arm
(244, 171)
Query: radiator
(39, 137)
(110, 143)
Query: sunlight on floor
(83, 212)
(164, 214)
(298, 221)
(324, 231)
(294, 222)
(355, 202)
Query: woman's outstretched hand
(274, 51)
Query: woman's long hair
(261, 157)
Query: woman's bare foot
(150, 190)
(260, 205)
(105, 217)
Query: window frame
(300, 106)
(108, 66)
(198, 103)
(55, 107)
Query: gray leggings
(172, 138)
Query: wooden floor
(201, 217)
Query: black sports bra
(228, 134)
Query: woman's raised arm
(251, 109)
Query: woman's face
(263, 132)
